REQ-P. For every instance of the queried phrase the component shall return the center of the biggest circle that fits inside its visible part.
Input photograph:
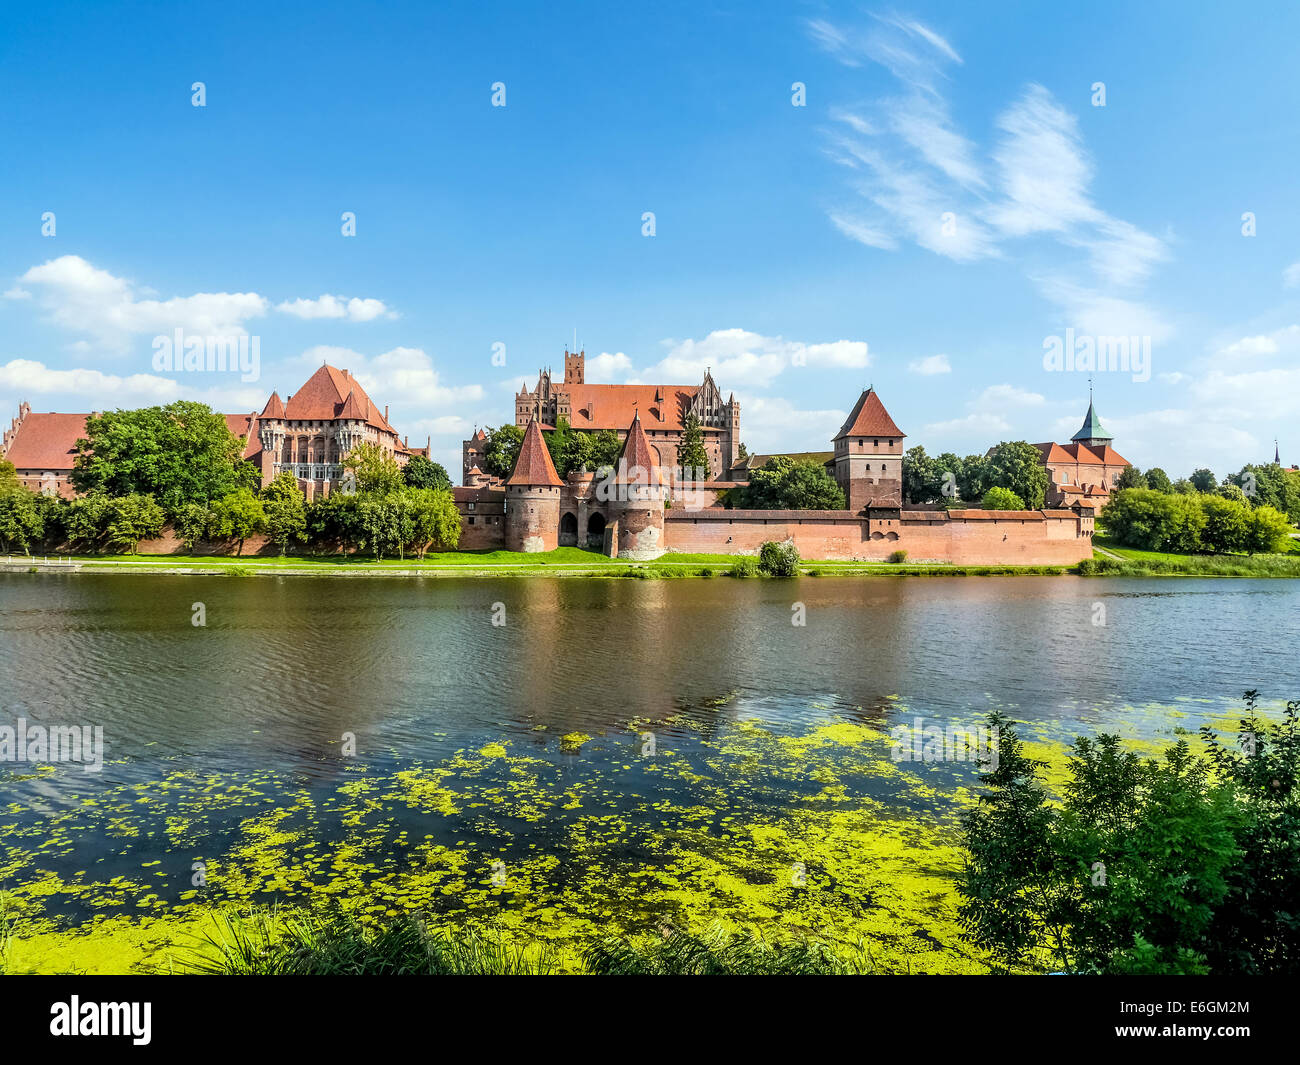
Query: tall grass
(335, 943)
(277, 943)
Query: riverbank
(1109, 559)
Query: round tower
(533, 497)
(639, 493)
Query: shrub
(999, 498)
(779, 559)
(745, 566)
(898, 556)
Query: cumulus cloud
(354, 310)
(741, 355)
(84, 388)
(81, 297)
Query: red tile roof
(322, 396)
(244, 426)
(662, 407)
(869, 418)
(637, 463)
(46, 441)
(534, 465)
(274, 407)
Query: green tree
(784, 484)
(421, 472)
(434, 521)
(1203, 480)
(922, 477)
(1132, 477)
(999, 498)
(86, 518)
(192, 523)
(1267, 531)
(1158, 480)
(501, 449)
(181, 453)
(692, 458)
(779, 559)
(237, 517)
(130, 519)
(22, 521)
(285, 509)
(1226, 524)
(375, 470)
(1018, 465)
(1142, 518)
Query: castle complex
(642, 509)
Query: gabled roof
(534, 465)
(637, 456)
(322, 396)
(352, 409)
(869, 418)
(1092, 428)
(46, 441)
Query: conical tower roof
(869, 418)
(274, 408)
(1092, 428)
(637, 455)
(534, 465)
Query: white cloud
(771, 425)
(407, 375)
(741, 355)
(88, 387)
(930, 365)
(354, 310)
(1291, 276)
(84, 298)
(608, 366)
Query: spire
(1092, 428)
(1277, 455)
(534, 465)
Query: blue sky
(947, 201)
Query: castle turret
(638, 497)
(869, 455)
(1092, 433)
(533, 496)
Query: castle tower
(575, 367)
(869, 455)
(1092, 434)
(533, 497)
(639, 492)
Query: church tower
(575, 367)
(1092, 433)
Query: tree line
(139, 470)
(1010, 477)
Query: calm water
(256, 702)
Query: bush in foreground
(779, 559)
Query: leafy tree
(8, 475)
(1185, 523)
(1142, 518)
(1226, 524)
(1267, 531)
(375, 469)
(1132, 477)
(1018, 465)
(1270, 486)
(1258, 931)
(433, 521)
(501, 449)
(181, 453)
(1228, 490)
(784, 484)
(922, 477)
(86, 518)
(1158, 481)
(192, 523)
(691, 455)
(1125, 875)
(1184, 487)
(999, 498)
(22, 520)
(421, 472)
(285, 510)
(237, 517)
(1203, 480)
(130, 519)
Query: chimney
(385, 412)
